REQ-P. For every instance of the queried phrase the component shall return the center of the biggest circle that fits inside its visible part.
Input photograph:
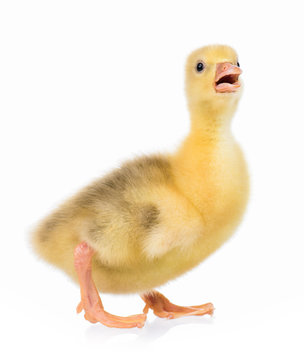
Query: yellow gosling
(157, 216)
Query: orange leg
(163, 308)
(90, 300)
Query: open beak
(227, 78)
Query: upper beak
(226, 77)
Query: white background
(87, 84)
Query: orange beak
(227, 78)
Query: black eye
(200, 67)
(238, 64)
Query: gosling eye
(200, 67)
(238, 64)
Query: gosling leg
(90, 300)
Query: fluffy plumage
(158, 216)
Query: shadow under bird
(157, 216)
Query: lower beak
(227, 78)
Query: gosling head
(213, 87)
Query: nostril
(222, 67)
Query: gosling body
(158, 216)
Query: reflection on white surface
(153, 330)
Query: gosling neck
(211, 124)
